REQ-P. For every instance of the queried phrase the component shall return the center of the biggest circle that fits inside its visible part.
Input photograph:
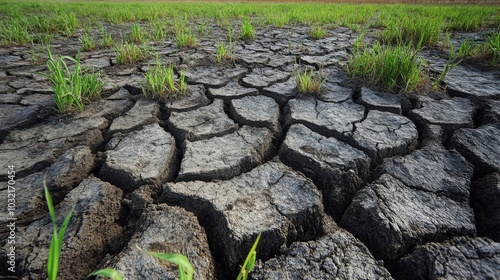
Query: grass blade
(107, 272)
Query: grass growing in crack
(467, 49)
(492, 46)
(317, 32)
(72, 88)
(137, 36)
(88, 42)
(107, 40)
(201, 28)
(57, 236)
(450, 64)
(185, 39)
(395, 69)
(224, 52)
(56, 244)
(308, 83)
(250, 260)
(158, 30)
(247, 30)
(160, 82)
(130, 53)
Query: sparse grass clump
(107, 40)
(160, 82)
(317, 32)
(72, 88)
(308, 83)
(130, 53)
(186, 39)
(137, 35)
(395, 69)
(247, 30)
(224, 52)
(88, 42)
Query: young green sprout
(107, 272)
(186, 270)
(57, 236)
(249, 261)
(247, 30)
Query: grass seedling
(308, 83)
(230, 35)
(450, 64)
(158, 30)
(107, 272)
(186, 270)
(250, 260)
(72, 88)
(57, 236)
(467, 49)
(160, 82)
(137, 36)
(395, 69)
(185, 39)
(223, 52)
(88, 42)
(129, 53)
(493, 47)
(201, 28)
(317, 32)
(247, 30)
(107, 40)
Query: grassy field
(400, 29)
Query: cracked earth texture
(353, 184)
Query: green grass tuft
(308, 83)
(160, 82)
(186, 39)
(250, 260)
(395, 69)
(317, 32)
(130, 53)
(247, 30)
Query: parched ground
(352, 184)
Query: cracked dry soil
(352, 184)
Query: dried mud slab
(479, 146)
(264, 77)
(226, 156)
(458, 258)
(466, 82)
(334, 256)
(384, 134)
(331, 92)
(33, 149)
(231, 91)
(281, 92)
(327, 118)
(271, 198)
(212, 75)
(17, 117)
(91, 231)
(432, 169)
(196, 98)
(258, 111)
(391, 218)
(485, 199)
(203, 123)
(143, 113)
(338, 168)
(61, 177)
(142, 157)
(169, 230)
(380, 101)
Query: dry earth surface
(352, 184)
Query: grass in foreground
(317, 32)
(394, 69)
(247, 30)
(57, 236)
(186, 39)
